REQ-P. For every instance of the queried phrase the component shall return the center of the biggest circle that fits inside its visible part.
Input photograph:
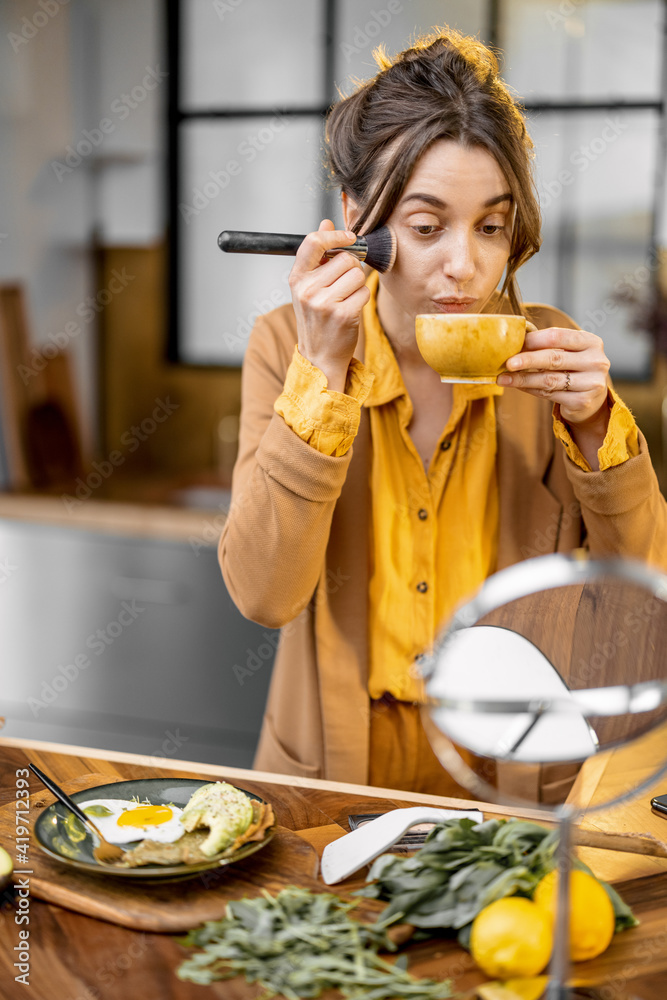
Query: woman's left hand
(568, 366)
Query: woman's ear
(350, 210)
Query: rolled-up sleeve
(326, 420)
(620, 443)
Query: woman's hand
(328, 296)
(570, 367)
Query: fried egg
(122, 822)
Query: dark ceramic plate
(53, 831)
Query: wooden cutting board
(170, 907)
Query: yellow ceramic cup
(469, 347)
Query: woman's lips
(452, 305)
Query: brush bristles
(381, 249)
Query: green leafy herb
(462, 867)
(97, 810)
(298, 944)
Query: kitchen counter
(175, 511)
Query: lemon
(511, 937)
(592, 920)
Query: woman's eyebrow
(438, 203)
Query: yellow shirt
(433, 532)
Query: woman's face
(453, 227)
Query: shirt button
(446, 445)
(422, 587)
(422, 514)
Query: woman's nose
(459, 263)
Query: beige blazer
(294, 551)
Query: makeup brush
(377, 249)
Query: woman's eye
(493, 229)
(425, 230)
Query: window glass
(260, 174)
(582, 49)
(365, 24)
(250, 53)
(595, 175)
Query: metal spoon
(105, 852)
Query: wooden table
(76, 957)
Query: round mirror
(556, 665)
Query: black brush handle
(59, 794)
(281, 244)
(278, 244)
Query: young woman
(369, 498)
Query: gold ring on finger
(567, 381)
